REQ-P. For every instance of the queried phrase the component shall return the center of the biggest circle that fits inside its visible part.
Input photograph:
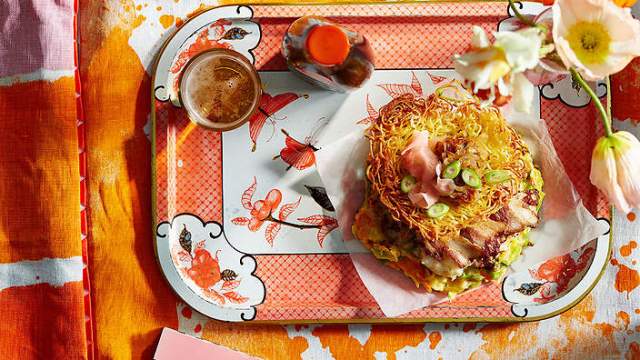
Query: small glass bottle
(327, 55)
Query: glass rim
(187, 105)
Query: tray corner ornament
(228, 27)
(213, 277)
(557, 284)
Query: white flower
(615, 169)
(595, 37)
(484, 65)
(521, 48)
(499, 66)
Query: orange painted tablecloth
(75, 233)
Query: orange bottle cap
(328, 45)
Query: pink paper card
(175, 345)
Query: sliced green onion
(497, 176)
(452, 170)
(407, 183)
(471, 178)
(437, 210)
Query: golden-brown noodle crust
(498, 146)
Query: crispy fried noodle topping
(476, 195)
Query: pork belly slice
(522, 209)
(445, 267)
(510, 219)
(480, 243)
(461, 251)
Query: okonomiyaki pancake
(452, 192)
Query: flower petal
(521, 48)
(617, 16)
(622, 52)
(589, 10)
(479, 38)
(563, 18)
(483, 67)
(273, 198)
(522, 93)
(503, 88)
(628, 167)
(629, 183)
(604, 175)
(514, 24)
(467, 66)
(545, 72)
(570, 59)
(255, 224)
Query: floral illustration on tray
(372, 114)
(436, 79)
(397, 89)
(554, 276)
(197, 263)
(207, 39)
(222, 33)
(269, 211)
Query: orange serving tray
(208, 186)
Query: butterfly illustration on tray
(269, 106)
(300, 154)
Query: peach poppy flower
(596, 37)
(615, 169)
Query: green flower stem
(604, 114)
(525, 20)
(608, 84)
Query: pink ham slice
(444, 186)
(421, 162)
(424, 197)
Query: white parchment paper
(566, 224)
